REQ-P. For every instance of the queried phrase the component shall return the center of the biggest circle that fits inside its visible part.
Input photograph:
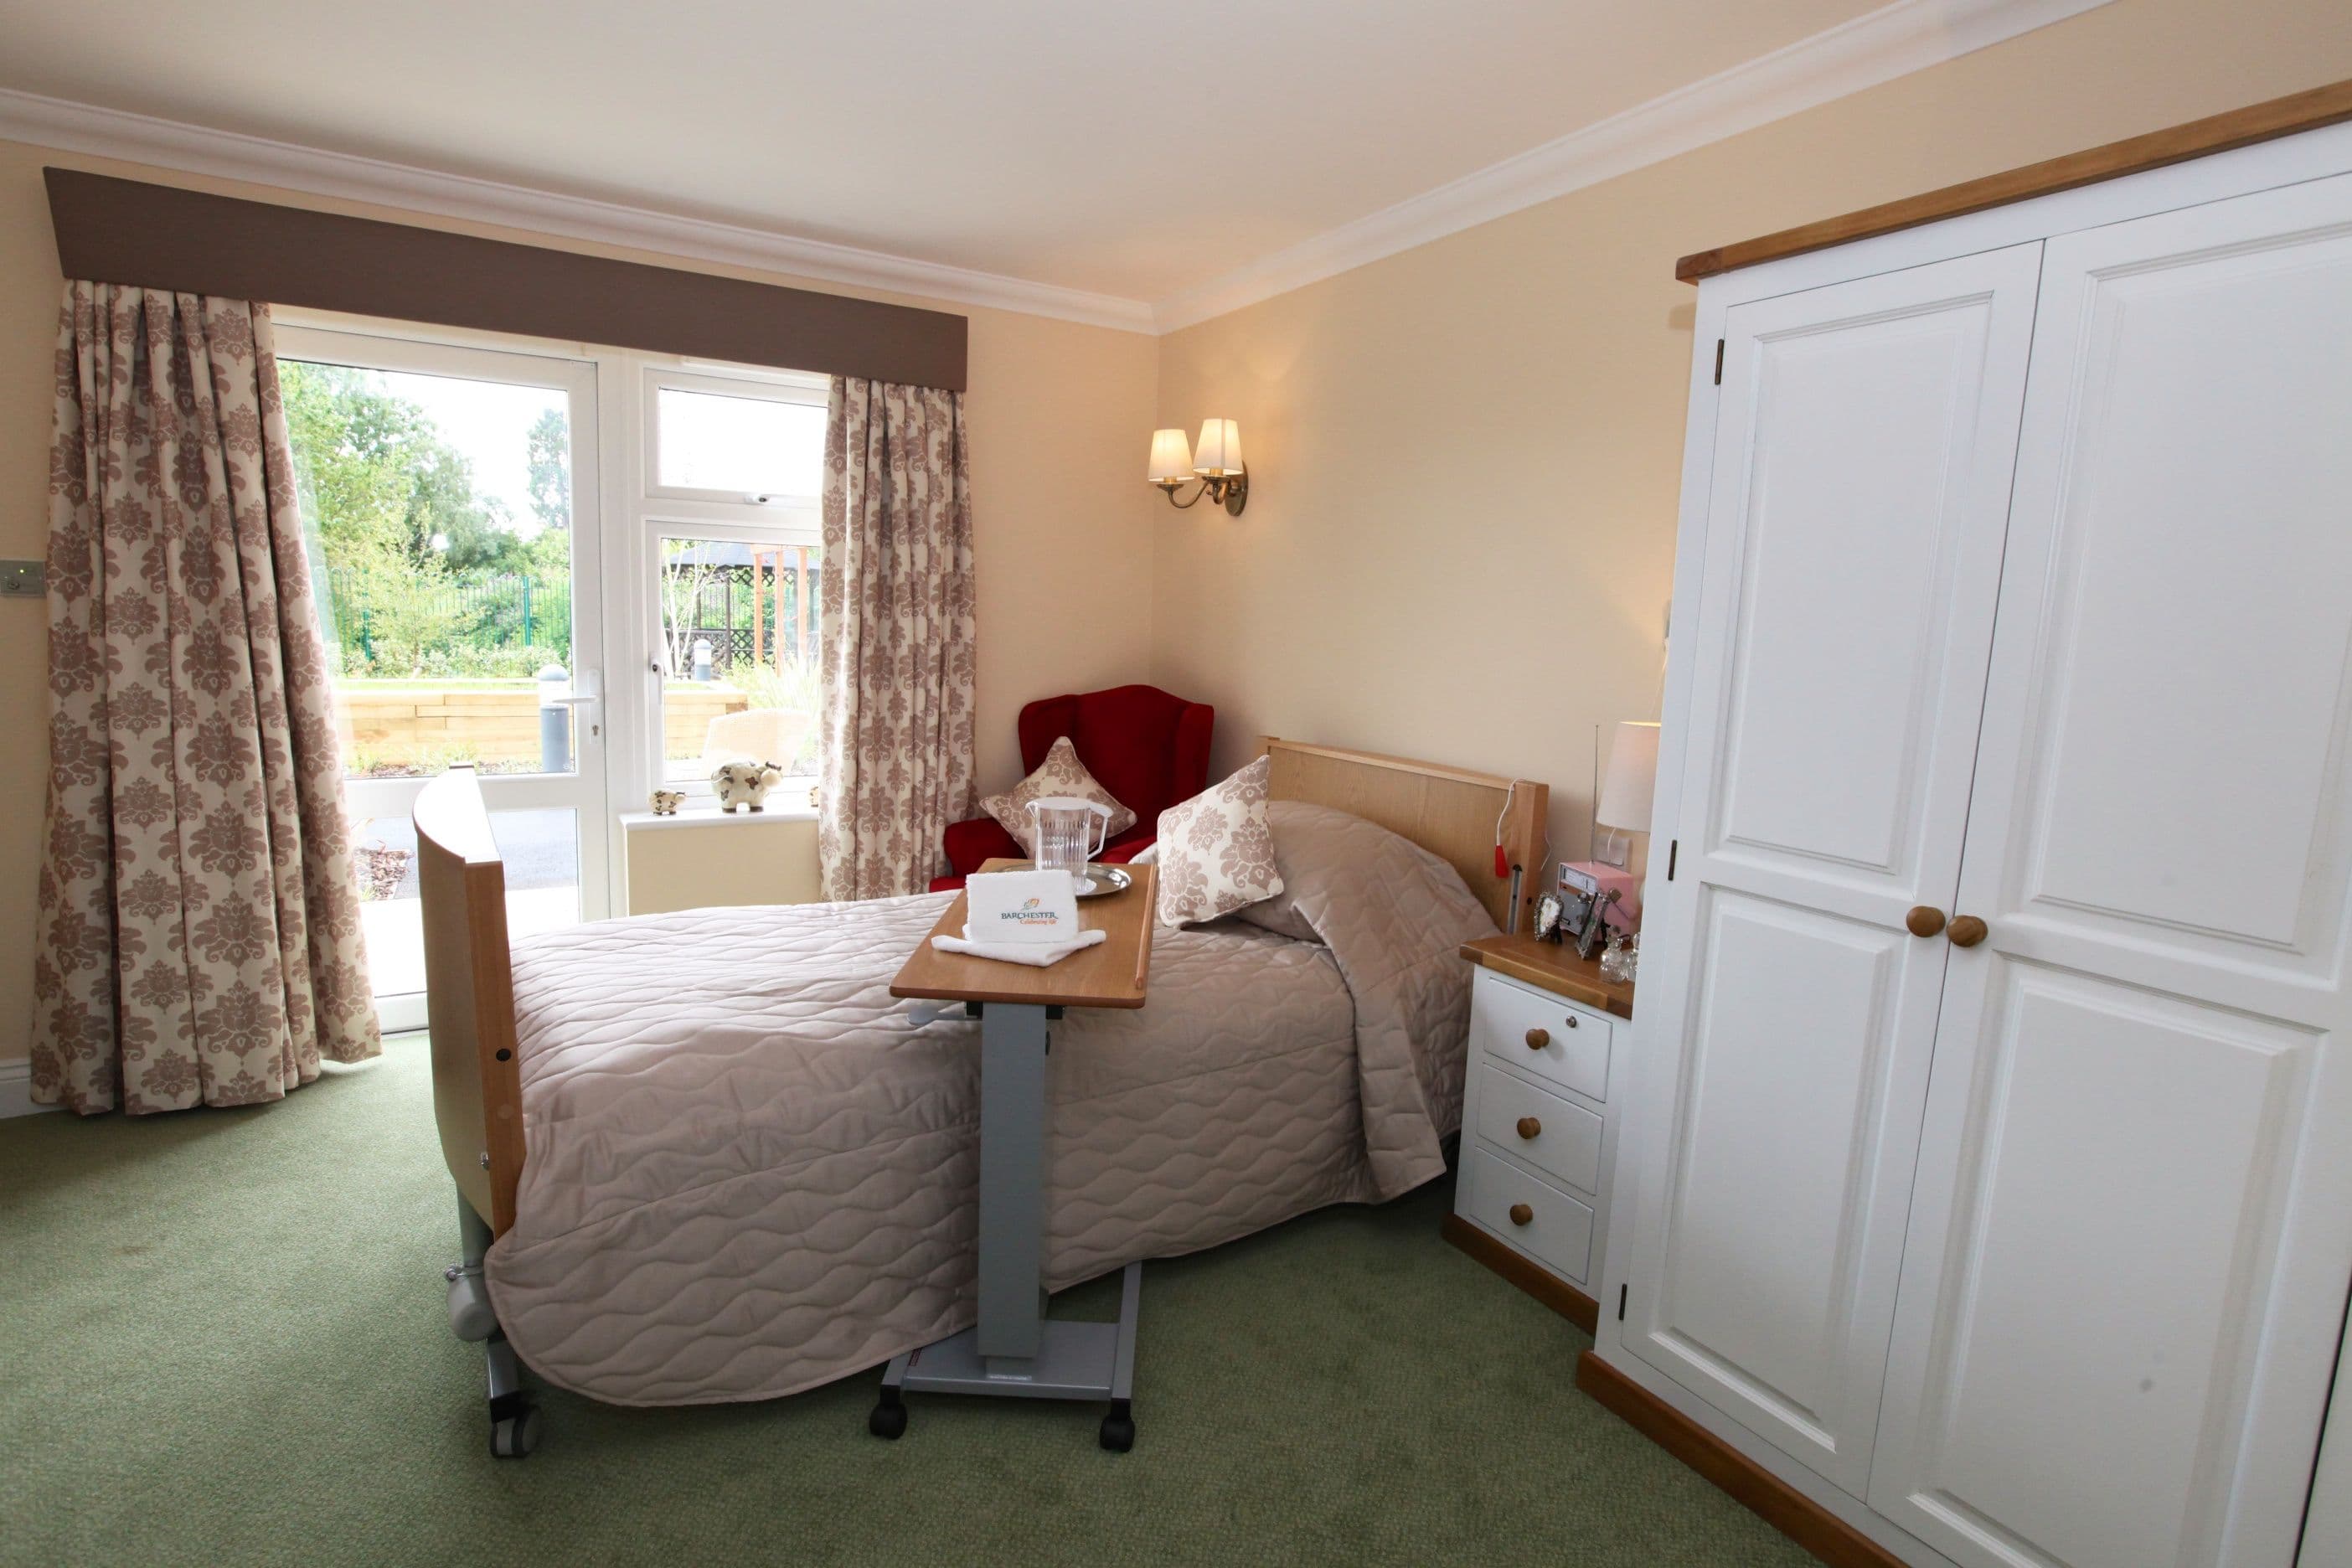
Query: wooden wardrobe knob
(1925, 919)
(1967, 931)
(1522, 1214)
(1529, 1127)
(1539, 1038)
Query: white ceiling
(1090, 158)
(1139, 151)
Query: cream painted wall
(1465, 458)
(1058, 414)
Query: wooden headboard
(469, 996)
(1449, 812)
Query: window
(727, 516)
(733, 447)
(453, 534)
(739, 628)
(587, 573)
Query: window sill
(710, 816)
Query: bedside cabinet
(1537, 1138)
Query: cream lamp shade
(1219, 453)
(1171, 459)
(1626, 788)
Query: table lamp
(1627, 787)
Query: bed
(705, 1156)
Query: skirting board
(1542, 1284)
(1780, 1505)
(16, 1089)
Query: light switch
(23, 579)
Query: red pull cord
(1502, 862)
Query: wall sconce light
(1217, 465)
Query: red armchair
(1148, 749)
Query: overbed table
(1015, 1349)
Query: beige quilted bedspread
(751, 1172)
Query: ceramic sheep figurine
(743, 783)
(668, 801)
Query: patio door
(450, 496)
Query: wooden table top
(1555, 966)
(1111, 973)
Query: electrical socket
(23, 579)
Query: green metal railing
(501, 610)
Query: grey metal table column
(1014, 1349)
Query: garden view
(441, 511)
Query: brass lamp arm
(1231, 491)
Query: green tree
(550, 462)
(379, 480)
(381, 486)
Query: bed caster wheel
(514, 1437)
(1118, 1428)
(888, 1421)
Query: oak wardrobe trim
(2216, 133)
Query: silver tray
(1101, 881)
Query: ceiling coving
(1035, 155)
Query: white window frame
(613, 483)
(585, 791)
(757, 385)
(644, 512)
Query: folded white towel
(1037, 955)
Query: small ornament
(743, 783)
(668, 801)
(1622, 957)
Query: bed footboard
(469, 996)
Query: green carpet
(226, 1345)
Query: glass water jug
(1065, 832)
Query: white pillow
(1217, 851)
(1060, 773)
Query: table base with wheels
(1015, 1351)
(1073, 1361)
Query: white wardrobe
(1988, 1175)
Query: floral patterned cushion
(1216, 852)
(1060, 773)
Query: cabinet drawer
(1558, 1229)
(1566, 1137)
(1541, 1034)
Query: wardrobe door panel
(2097, 1311)
(1865, 444)
(1793, 1042)
(2132, 1233)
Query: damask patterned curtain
(199, 939)
(895, 683)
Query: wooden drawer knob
(1522, 1214)
(1529, 1127)
(1925, 919)
(1539, 1038)
(1967, 931)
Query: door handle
(1539, 1038)
(1925, 919)
(1522, 1214)
(1966, 931)
(1530, 1128)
